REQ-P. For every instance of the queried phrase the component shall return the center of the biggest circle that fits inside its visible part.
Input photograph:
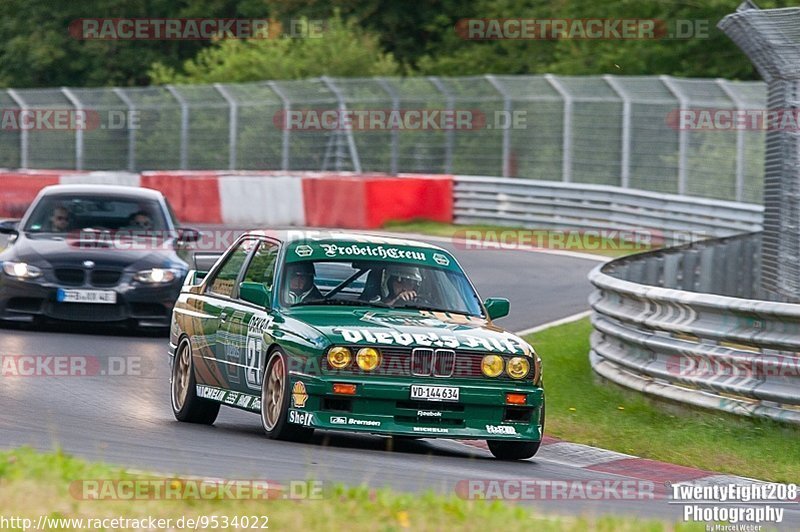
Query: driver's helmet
(299, 269)
(402, 272)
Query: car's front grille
(437, 362)
(105, 277)
(70, 276)
(421, 362)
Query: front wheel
(275, 394)
(186, 406)
(514, 450)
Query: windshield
(391, 285)
(65, 213)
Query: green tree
(343, 50)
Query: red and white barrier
(267, 199)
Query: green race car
(352, 332)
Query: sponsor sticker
(441, 259)
(303, 250)
(494, 343)
(428, 413)
(299, 395)
(344, 420)
(364, 250)
(300, 418)
(206, 392)
(501, 429)
(433, 430)
(338, 420)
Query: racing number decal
(252, 370)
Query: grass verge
(583, 410)
(34, 484)
(566, 240)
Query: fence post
(625, 164)
(449, 135)
(683, 134)
(739, 105)
(566, 156)
(287, 107)
(23, 134)
(507, 131)
(184, 153)
(131, 130)
(233, 123)
(395, 148)
(351, 143)
(79, 130)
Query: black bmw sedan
(89, 253)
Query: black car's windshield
(69, 213)
(381, 284)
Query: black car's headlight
(21, 270)
(155, 276)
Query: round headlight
(339, 357)
(155, 276)
(518, 367)
(492, 365)
(368, 358)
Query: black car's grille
(86, 312)
(105, 277)
(70, 276)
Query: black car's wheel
(185, 404)
(275, 394)
(513, 450)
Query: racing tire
(275, 397)
(514, 450)
(186, 406)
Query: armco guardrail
(551, 204)
(656, 331)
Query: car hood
(402, 328)
(60, 250)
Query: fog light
(516, 398)
(517, 368)
(492, 365)
(368, 358)
(345, 389)
(339, 357)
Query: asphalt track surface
(127, 419)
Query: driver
(300, 282)
(140, 221)
(59, 220)
(400, 284)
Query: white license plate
(107, 297)
(434, 393)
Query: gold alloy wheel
(180, 379)
(272, 393)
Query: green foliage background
(362, 38)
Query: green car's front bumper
(384, 406)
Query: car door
(219, 291)
(242, 333)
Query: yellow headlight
(518, 367)
(339, 357)
(492, 365)
(368, 358)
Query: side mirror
(496, 307)
(255, 293)
(187, 235)
(9, 227)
